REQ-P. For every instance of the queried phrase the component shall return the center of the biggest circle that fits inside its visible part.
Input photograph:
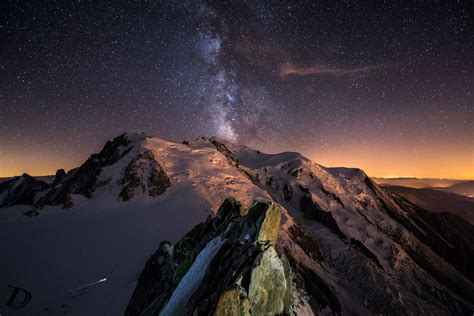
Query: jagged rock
(144, 173)
(231, 157)
(334, 196)
(20, 190)
(224, 266)
(261, 223)
(267, 289)
(156, 277)
(287, 192)
(158, 181)
(271, 223)
(313, 211)
(59, 177)
(83, 180)
(287, 299)
(233, 303)
(320, 294)
(230, 207)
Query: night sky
(384, 87)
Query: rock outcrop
(144, 173)
(20, 190)
(225, 266)
(131, 169)
(59, 177)
(83, 180)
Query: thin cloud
(322, 69)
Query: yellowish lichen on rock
(268, 285)
(233, 303)
(271, 224)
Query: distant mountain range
(420, 183)
(437, 200)
(206, 227)
(465, 188)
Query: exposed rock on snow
(84, 180)
(59, 177)
(313, 211)
(146, 174)
(20, 190)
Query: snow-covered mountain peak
(353, 247)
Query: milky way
(382, 86)
(219, 90)
(236, 111)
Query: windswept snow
(192, 279)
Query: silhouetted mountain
(465, 188)
(437, 201)
(417, 183)
(20, 190)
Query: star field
(386, 87)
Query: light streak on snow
(88, 285)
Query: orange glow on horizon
(451, 164)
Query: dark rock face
(317, 292)
(460, 235)
(144, 173)
(436, 200)
(155, 279)
(20, 190)
(313, 211)
(321, 295)
(334, 196)
(363, 249)
(83, 180)
(59, 177)
(158, 181)
(449, 236)
(225, 266)
(287, 192)
(446, 235)
(231, 157)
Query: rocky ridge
(20, 190)
(143, 174)
(225, 266)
